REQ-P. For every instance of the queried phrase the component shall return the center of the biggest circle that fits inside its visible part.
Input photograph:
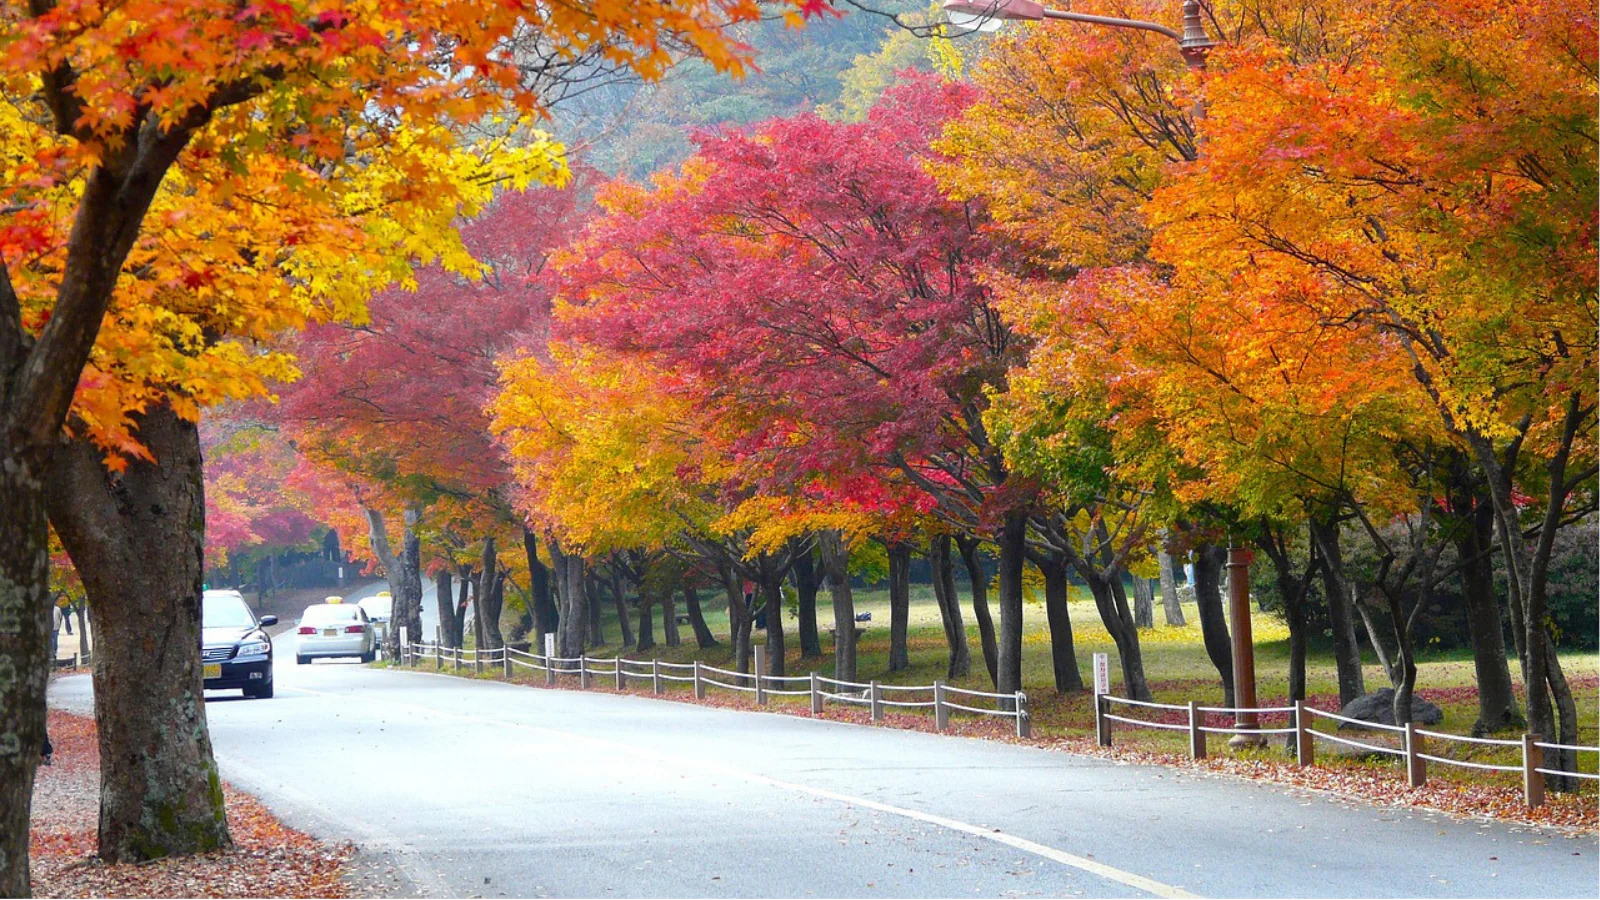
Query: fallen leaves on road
(268, 859)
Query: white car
(380, 611)
(333, 629)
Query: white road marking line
(1110, 873)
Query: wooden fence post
(1532, 781)
(655, 676)
(505, 661)
(1102, 725)
(1197, 738)
(941, 713)
(1024, 721)
(816, 695)
(699, 682)
(1416, 766)
(477, 661)
(761, 690)
(583, 671)
(455, 659)
(875, 693)
(549, 670)
(1305, 752)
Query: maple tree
(395, 403)
(250, 497)
(1457, 234)
(1260, 319)
(810, 287)
(113, 111)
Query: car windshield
(225, 611)
(337, 612)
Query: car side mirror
(268, 620)
(297, 621)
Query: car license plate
(213, 670)
(330, 632)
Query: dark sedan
(234, 650)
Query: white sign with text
(1102, 674)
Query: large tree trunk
(1117, 618)
(805, 585)
(575, 618)
(1063, 653)
(1341, 613)
(703, 637)
(772, 597)
(1208, 560)
(1293, 588)
(545, 617)
(669, 617)
(138, 540)
(1385, 643)
(647, 621)
(1474, 540)
(1529, 570)
(1171, 604)
(835, 558)
(597, 635)
(1144, 603)
(407, 605)
(403, 572)
(38, 378)
(899, 605)
(444, 602)
(968, 546)
(1011, 539)
(619, 600)
(944, 592)
(459, 611)
(490, 597)
(24, 650)
(739, 618)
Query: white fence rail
(620, 673)
(1300, 720)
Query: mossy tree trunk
(137, 540)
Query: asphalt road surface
(475, 788)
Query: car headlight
(253, 648)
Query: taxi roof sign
(333, 600)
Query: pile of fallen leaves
(268, 859)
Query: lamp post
(1244, 650)
(990, 15)
(1193, 45)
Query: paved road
(484, 789)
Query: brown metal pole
(1244, 651)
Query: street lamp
(990, 15)
(1193, 44)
